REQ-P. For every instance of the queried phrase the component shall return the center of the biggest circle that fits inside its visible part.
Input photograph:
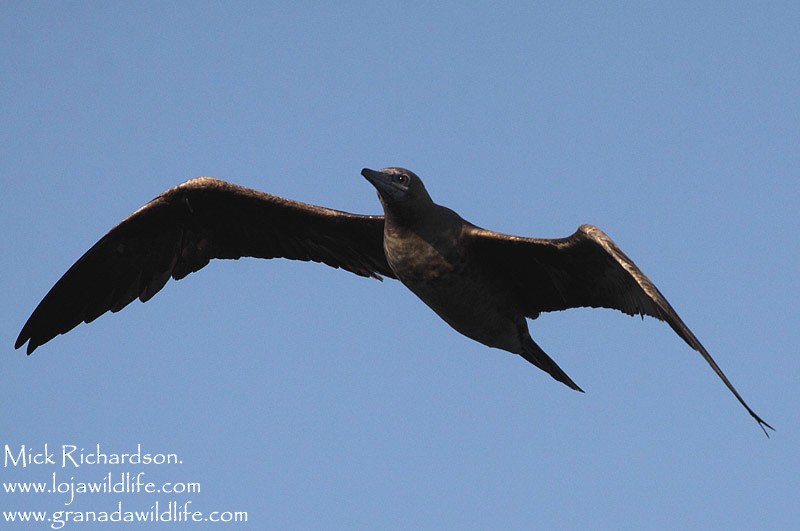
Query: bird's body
(429, 256)
(484, 284)
(436, 271)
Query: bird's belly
(474, 304)
(471, 309)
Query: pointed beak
(381, 181)
(387, 185)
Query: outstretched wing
(584, 269)
(181, 230)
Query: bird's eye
(403, 179)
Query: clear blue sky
(312, 398)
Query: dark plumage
(482, 283)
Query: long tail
(534, 354)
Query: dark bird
(484, 284)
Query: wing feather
(586, 269)
(181, 230)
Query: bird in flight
(484, 284)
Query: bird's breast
(413, 258)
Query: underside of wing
(584, 269)
(184, 228)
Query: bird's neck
(417, 217)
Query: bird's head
(397, 187)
